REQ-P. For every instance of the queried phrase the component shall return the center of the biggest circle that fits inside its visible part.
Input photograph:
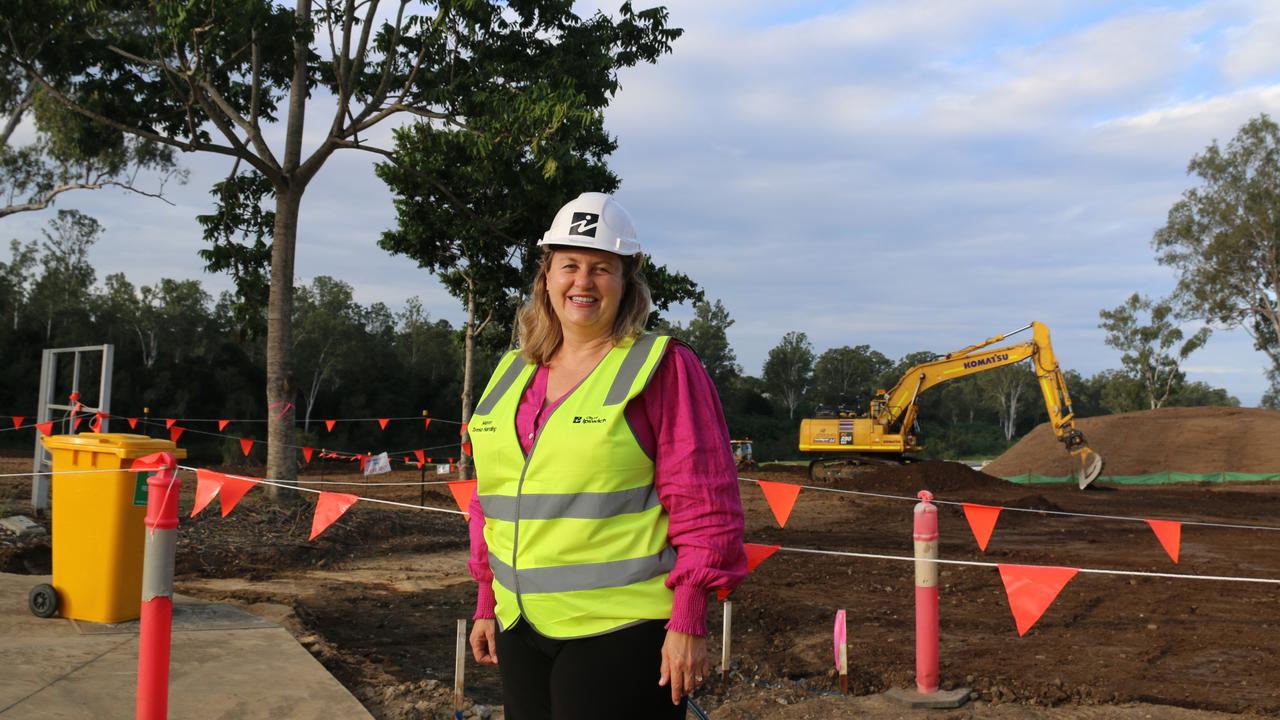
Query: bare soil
(1189, 440)
(376, 598)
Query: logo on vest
(587, 420)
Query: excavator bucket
(1090, 465)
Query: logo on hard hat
(584, 224)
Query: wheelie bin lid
(124, 445)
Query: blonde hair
(539, 328)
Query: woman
(607, 498)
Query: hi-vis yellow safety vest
(577, 539)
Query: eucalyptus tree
(237, 79)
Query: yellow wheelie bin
(98, 530)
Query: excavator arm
(896, 409)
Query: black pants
(607, 677)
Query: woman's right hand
(484, 645)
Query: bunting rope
(289, 486)
(978, 563)
(150, 418)
(1125, 518)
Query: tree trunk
(281, 433)
(468, 353)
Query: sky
(907, 174)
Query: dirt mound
(1190, 440)
(936, 476)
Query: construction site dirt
(376, 597)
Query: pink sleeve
(478, 563)
(697, 482)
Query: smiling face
(585, 288)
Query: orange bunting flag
(246, 446)
(1032, 589)
(233, 488)
(781, 498)
(420, 454)
(756, 554)
(363, 459)
(175, 432)
(382, 422)
(96, 423)
(222, 425)
(463, 490)
(207, 486)
(466, 449)
(328, 424)
(426, 423)
(1169, 533)
(463, 431)
(133, 423)
(45, 428)
(982, 521)
(168, 423)
(306, 453)
(17, 421)
(75, 423)
(329, 507)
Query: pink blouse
(679, 422)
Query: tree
(847, 374)
(1005, 388)
(788, 370)
(211, 76)
(706, 334)
(1153, 352)
(17, 277)
(68, 152)
(1223, 237)
(61, 292)
(326, 317)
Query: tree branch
(47, 198)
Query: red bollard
(156, 626)
(926, 542)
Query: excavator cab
(743, 453)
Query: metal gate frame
(46, 404)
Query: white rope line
(976, 563)
(384, 484)
(290, 486)
(69, 472)
(1125, 518)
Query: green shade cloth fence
(1160, 478)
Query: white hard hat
(593, 220)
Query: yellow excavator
(886, 432)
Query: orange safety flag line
(233, 488)
(96, 423)
(1169, 533)
(328, 424)
(421, 455)
(246, 446)
(363, 459)
(75, 423)
(306, 453)
(1032, 589)
(329, 507)
(463, 431)
(426, 423)
(781, 498)
(466, 449)
(207, 486)
(133, 423)
(756, 554)
(462, 491)
(382, 422)
(17, 421)
(222, 425)
(982, 521)
(175, 432)
(168, 422)
(45, 428)
(154, 461)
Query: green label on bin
(140, 489)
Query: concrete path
(226, 663)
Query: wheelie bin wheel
(43, 601)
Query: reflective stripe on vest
(577, 537)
